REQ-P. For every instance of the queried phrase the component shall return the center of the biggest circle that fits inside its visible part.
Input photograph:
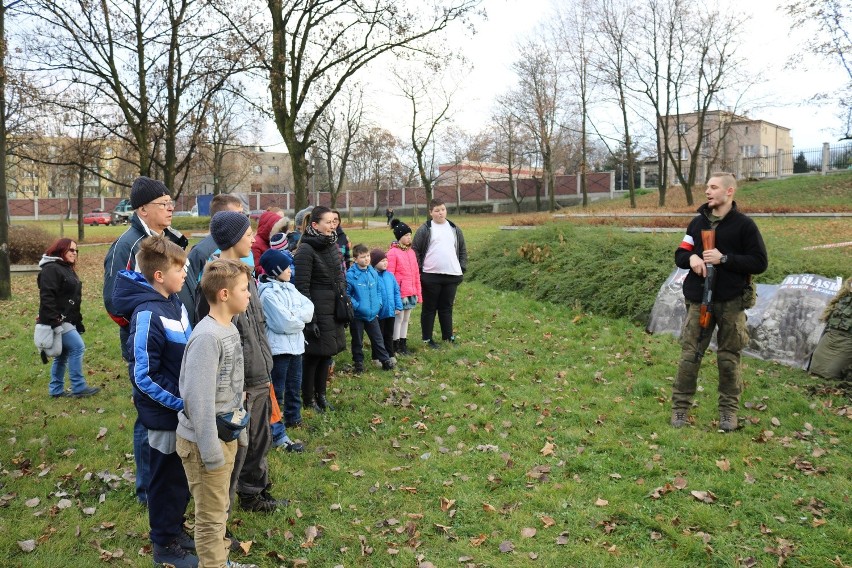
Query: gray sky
(781, 95)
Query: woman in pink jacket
(402, 263)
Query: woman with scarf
(319, 278)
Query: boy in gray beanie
(250, 480)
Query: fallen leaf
(507, 546)
(656, 536)
(446, 504)
(679, 483)
(705, 496)
(102, 432)
(32, 502)
(488, 508)
(723, 464)
(775, 422)
(528, 532)
(547, 450)
(477, 540)
(27, 545)
(547, 521)
(601, 502)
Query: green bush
(603, 270)
(28, 243)
(191, 224)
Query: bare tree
(337, 131)
(5, 274)
(319, 45)
(511, 146)
(684, 62)
(227, 138)
(615, 23)
(829, 27)
(539, 104)
(158, 63)
(576, 31)
(430, 103)
(373, 159)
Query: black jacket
(423, 238)
(736, 236)
(60, 293)
(318, 277)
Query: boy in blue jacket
(391, 301)
(159, 331)
(362, 285)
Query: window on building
(256, 187)
(684, 153)
(766, 150)
(275, 188)
(257, 169)
(273, 170)
(682, 127)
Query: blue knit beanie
(227, 228)
(274, 262)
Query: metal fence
(822, 160)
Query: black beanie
(376, 256)
(227, 228)
(274, 261)
(399, 228)
(145, 190)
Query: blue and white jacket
(389, 290)
(159, 331)
(286, 311)
(362, 285)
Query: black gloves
(312, 330)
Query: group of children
(203, 392)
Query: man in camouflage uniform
(832, 358)
(739, 253)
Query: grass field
(542, 439)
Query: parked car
(122, 212)
(97, 217)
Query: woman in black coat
(318, 276)
(60, 294)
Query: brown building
(751, 148)
(476, 172)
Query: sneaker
(255, 502)
(173, 556)
(358, 368)
(377, 363)
(388, 365)
(86, 392)
(451, 339)
(296, 424)
(431, 344)
(186, 542)
(679, 418)
(393, 360)
(728, 421)
(235, 542)
(232, 564)
(288, 444)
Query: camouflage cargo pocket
(749, 296)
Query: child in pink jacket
(402, 263)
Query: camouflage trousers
(731, 338)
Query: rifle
(705, 317)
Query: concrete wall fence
(481, 197)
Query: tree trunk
(81, 231)
(5, 275)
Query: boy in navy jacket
(159, 331)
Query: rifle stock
(708, 240)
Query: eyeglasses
(164, 204)
(73, 250)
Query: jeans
(287, 382)
(72, 358)
(209, 488)
(439, 295)
(374, 332)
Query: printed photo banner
(784, 324)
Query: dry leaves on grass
(704, 496)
